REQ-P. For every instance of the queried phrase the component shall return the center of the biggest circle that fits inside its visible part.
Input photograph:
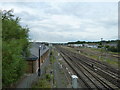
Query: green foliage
(52, 59)
(77, 42)
(118, 45)
(95, 42)
(107, 46)
(48, 77)
(113, 49)
(42, 84)
(15, 48)
(100, 46)
(100, 43)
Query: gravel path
(60, 80)
(30, 78)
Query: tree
(118, 45)
(107, 46)
(112, 48)
(15, 48)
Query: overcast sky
(67, 21)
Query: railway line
(104, 70)
(93, 74)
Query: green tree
(118, 45)
(107, 46)
(15, 48)
(112, 48)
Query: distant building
(92, 45)
(85, 45)
(75, 45)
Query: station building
(33, 59)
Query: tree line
(88, 42)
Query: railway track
(75, 71)
(106, 71)
(102, 65)
(85, 71)
(110, 76)
(103, 69)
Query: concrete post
(74, 81)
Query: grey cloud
(62, 22)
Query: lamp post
(39, 70)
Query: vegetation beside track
(46, 80)
(97, 54)
(43, 83)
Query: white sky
(67, 21)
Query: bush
(118, 45)
(107, 46)
(15, 48)
(100, 46)
(48, 77)
(113, 49)
(42, 84)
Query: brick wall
(29, 66)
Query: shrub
(14, 48)
(112, 48)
